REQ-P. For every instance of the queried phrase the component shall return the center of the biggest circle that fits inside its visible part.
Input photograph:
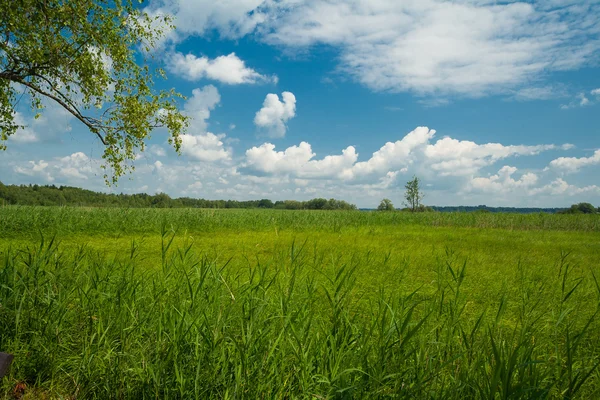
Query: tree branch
(93, 128)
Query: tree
(82, 55)
(586, 208)
(385, 205)
(580, 208)
(413, 195)
(265, 203)
(316, 204)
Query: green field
(187, 303)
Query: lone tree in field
(385, 205)
(82, 55)
(413, 195)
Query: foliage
(83, 55)
(353, 313)
(265, 203)
(580, 208)
(385, 205)
(413, 195)
(51, 195)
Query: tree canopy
(385, 205)
(581, 208)
(90, 57)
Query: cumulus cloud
(561, 187)
(205, 147)
(445, 157)
(415, 152)
(503, 181)
(229, 69)
(463, 157)
(199, 106)
(75, 167)
(25, 133)
(33, 168)
(393, 155)
(464, 47)
(298, 161)
(194, 187)
(574, 164)
(595, 92)
(198, 143)
(298, 173)
(274, 113)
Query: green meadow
(113, 303)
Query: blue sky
(488, 102)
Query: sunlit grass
(266, 304)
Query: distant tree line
(51, 195)
(522, 210)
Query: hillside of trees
(51, 195)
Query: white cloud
(561, 187)
(52, 123)
(503, 182)
(197, 143)
(194, 187)
(574, 164)
(229, 69)
(414, 153)
(274, 113)
(205, 147)
(297, 173)
(232, 18)
(158, 151)
(75, 167)
(393, 155)
(445, 157)
(463, 157)
(583, 100)
(430, 46)
(595, 92)
(24, 134)
(199, 106)
(465, 47)
(34, 168)
(298, 161)
(580, 101)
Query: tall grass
(297, 324)
(19, 221)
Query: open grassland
(149, 303)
